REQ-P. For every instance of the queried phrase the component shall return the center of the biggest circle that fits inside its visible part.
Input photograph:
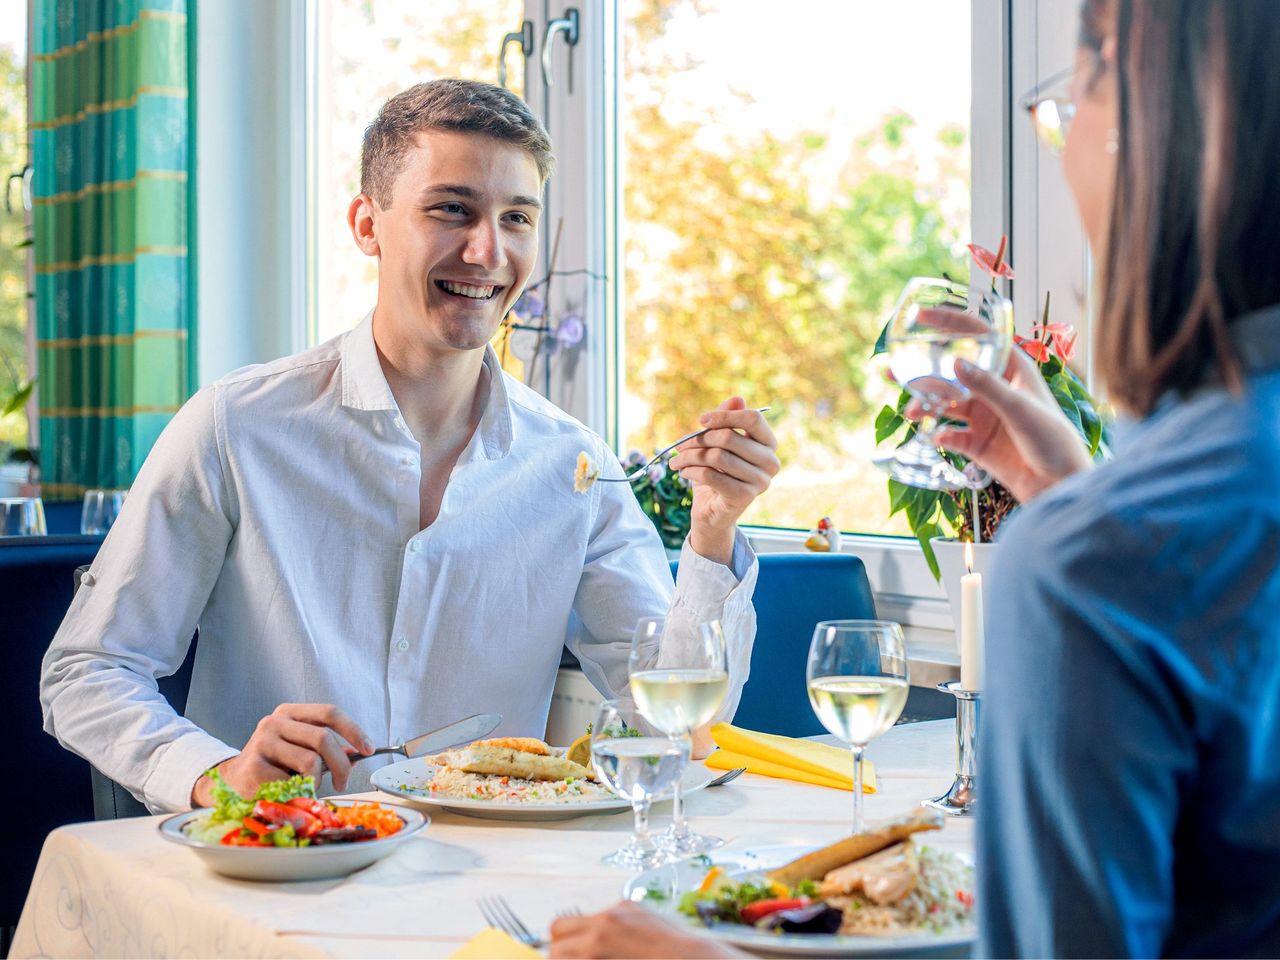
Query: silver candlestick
(961, 799)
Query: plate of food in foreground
(873, 894)
(511, 778)
(285, 833)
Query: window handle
(568, 25)
(524, 37)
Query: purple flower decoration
(531, 306)
(657, 472)
(569, 331)
(635, 458)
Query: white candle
(971, 629)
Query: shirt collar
(365, 387)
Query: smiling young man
(380, 535)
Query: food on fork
(586, 473)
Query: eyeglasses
(1052, 110)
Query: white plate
(411, 780)
(670, 882)
(292, 863)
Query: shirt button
(402, 644)
(408, 461)
(400, 422)
(87, 579)
(414, 546)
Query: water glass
(640, 764)
(857, 677)
(678, 685)
(101, 507)
(22, 517)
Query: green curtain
(112, 156)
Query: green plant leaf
(898, 493)
(882, 340)
(19, 399)
(887, 423)
(924, 534)
(24, 242)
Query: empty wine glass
(934, 324)
(22, 517)
(639, 763)
(678, 685)
(101, 507)
(857, 676)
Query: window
(785, 171)
(364, 52)
(16, 335)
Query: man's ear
(362, 219)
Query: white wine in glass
(857, 677)
(678, 684)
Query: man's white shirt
(279, 511)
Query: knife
(453, 735)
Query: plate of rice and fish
(877, 893)
(511, 778)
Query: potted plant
(665, 497)
(942, 520)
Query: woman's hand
(629, 930)
(1015, 431)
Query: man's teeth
(467, 290)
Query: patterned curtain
(112, 156)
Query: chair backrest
(795, 591)
(35, 590)
(110, 800)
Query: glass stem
(857, 787)
(641, 836)
(679, 828)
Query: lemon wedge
(580, 751)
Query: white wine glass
(857, 677)
(639, 763)
(934, 324)
(678, 686)
(22, 517)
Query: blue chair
(35, 591)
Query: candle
(971, 630)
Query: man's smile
(468, 290)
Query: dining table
(117, 888)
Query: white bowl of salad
(284, 832)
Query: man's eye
(522, 218)
(453, 209)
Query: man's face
(458, 243)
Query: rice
(458, 785)
(942, 901)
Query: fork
(639, 471)
(498, 913)
(728, 775)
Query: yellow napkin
(493, 944)
(787, 758)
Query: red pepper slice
(762, 908)
(317, 809)
(233, 838)
(303, 823)
(257, 826)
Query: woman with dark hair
(1131, 737)
(1130, 756)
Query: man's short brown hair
(463, 106)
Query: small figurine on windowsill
(824, 538)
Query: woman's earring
(1113, 140)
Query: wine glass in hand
(638, 763)
(857, 676)
(678, 685)
(934, 324)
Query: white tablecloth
(115, 888)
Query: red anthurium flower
(1061, 336)
(1038, 350)
(992, 263)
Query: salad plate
(661, 889)
(282, 864)
(411, 780)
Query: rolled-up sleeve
(133, 617)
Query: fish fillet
(816, 865)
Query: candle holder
(961, 799)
